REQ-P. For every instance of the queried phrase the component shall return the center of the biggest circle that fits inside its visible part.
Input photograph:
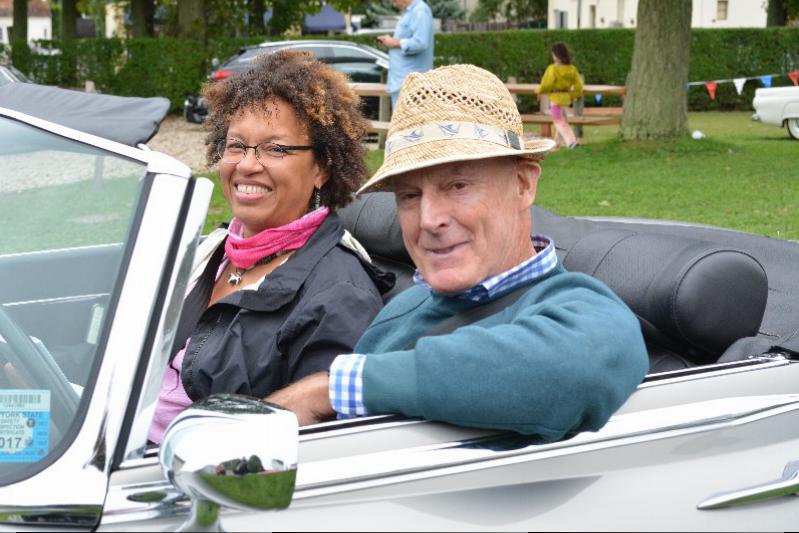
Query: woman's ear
(322, 174)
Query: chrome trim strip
(325, 430)
(62, 250)
(787, 485)
(61, 299)
(352, 426)
(167, 325)
(386, 468)
(706, 371)
(324, 477)
(83, 516)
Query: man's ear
(527, 173)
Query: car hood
(123, 119)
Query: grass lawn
(743, 175)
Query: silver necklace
(234, 278)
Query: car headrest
(372, 219)
(700, 294)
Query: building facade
(39, 21)
(582, 14)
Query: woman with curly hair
(284, 289)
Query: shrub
(174, 67)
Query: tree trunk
(142, 14)
(777, 13)
(20, 21)
(257, 17)
(69, 17)
(191, 19)
(656, 106)
(20, 53)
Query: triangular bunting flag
(711, 89)
(739, 84)
(766, 81)
(598, 99)
(794, 77)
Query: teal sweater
(559, 360)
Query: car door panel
(685, 430)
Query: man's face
(401, 4)
(464, 222)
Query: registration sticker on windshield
(24, 425)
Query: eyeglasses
(233, 151)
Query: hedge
(175, 67)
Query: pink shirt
(173, 398)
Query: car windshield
(66, 211)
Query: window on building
(1, 35)
(561, 19)
(592, 16)
(721, 9)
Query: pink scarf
(244, 253)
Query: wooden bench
(591, 116)
(580, 116)
(378, 126)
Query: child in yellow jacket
(562, 83)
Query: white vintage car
(96, 244)
(778, 106)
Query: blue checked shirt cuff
(346, 385)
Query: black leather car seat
(693, 298)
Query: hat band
(439, 131)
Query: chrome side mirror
(215, 62)
(232, 451)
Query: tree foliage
(780, 12)
(442, 9)
(511, 10)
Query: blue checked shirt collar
(540, 264)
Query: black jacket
(304, 314)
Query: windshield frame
(82, 460)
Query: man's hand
(388, 41)
(308, 398)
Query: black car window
(360, 72)
(247, 56)
(352, 53)
(321, 52)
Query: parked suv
(359, 62)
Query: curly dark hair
(563, 53)
(322, 100)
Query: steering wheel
(39, 369)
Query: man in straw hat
(495, 333)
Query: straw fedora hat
(452, 113)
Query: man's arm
(307, 398)
(568, 360)
(422, 24)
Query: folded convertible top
(124, 119)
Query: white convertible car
(96, 244)
(778, 106)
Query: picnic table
(579, 116)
